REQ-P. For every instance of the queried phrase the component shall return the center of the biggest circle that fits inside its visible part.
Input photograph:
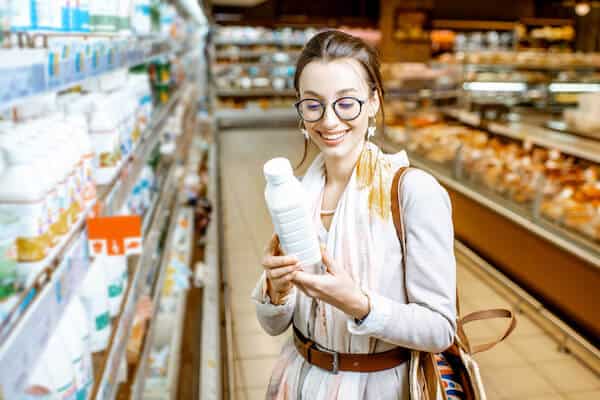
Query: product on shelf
(115, 271)
(94, 296)
(24, 192)
(586, 118)
(9, 228)
(526, 59)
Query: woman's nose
(330, 119)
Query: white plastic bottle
(70, 331)
(23, 193)
(79, 317)
(115, 270)
(94, 297)
(60, 368)
(286, 201)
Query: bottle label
(102, 321)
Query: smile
(333, 138)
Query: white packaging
(124, 13)
(104, 135)
(94, 297)
(81, 137)
(71, 332)
(49, 14)
(39, 385)
(23, 193)
(141, 22)
(60, 368)
(103, 15)
(115, 270)
(21, 15)
(286, 201)
(79, 318)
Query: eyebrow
(339, 92)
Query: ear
(373, 104)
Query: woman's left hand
(335, 287)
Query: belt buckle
(335, 363)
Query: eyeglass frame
(333, 103)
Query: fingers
(271, 262)
(277, 273)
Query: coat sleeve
(274, 319)
(428, 321)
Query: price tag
(117, 235)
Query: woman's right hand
(280, 270)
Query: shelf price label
(115, 235)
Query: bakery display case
(546, 80)
(532, 188)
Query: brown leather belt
(333, 361)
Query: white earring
(305, 133)
(371, 129)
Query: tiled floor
(527, 366)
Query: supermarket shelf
(116, 193)
(253, 53)
(137, 390)
(105, 382)
(211, 355)
(141, 372)
(588, 149)
(39, 83)
(40, 317)
(268, 92)
(571, 242)
(270, 64)
(255, 116)
(260, 42)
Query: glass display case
(545, 183)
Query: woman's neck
(339, 170)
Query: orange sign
(120, 235)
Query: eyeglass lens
(346, 108)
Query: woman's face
(328, 82)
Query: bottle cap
(278, 170)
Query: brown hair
(333, 45)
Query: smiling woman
(356, 321)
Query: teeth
(334, 137)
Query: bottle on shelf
(93, 294)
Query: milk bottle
(287, 204)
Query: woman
(363, 312)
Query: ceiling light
(582, 8)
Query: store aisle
(527, 366)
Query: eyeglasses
(346, 108)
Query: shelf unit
(252, 53)
(168, 390)
(211, 364)
(37, 81)
(45, 309)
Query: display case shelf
(587, 149)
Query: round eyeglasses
(346, 108)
